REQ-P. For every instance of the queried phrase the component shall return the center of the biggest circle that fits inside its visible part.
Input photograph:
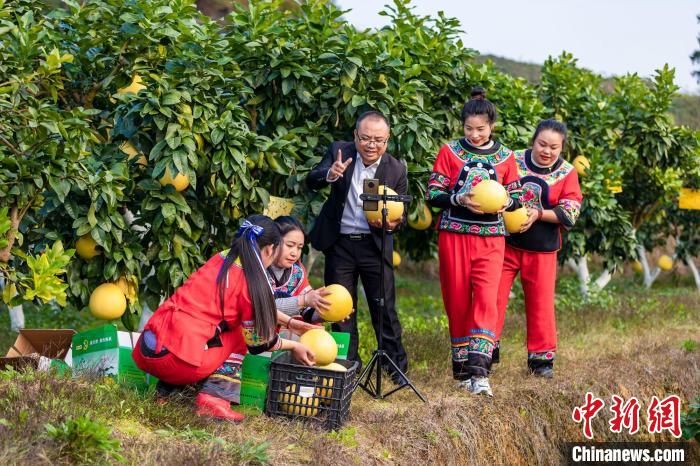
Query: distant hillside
(685, 109)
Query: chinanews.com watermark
(662, 416)
(667, 453)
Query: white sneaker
(481, 386)
(465, 385)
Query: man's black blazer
(325, 232)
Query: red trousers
(538, 273)
(470, 267)
(173, 370)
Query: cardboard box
(40, 349)
(105, 351)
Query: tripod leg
(406, 381)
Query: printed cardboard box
(105, 351)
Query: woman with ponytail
(225, 309)
(471, 243)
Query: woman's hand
(532, 216)
(465, 200)
(303, 354)
(314, 299)
(299, 327)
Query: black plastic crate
(310, 393)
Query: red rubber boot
(217, 408)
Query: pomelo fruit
(582, 165)
(321, 344)
(341, 304)
(107, 302)
(665, 262)
(394, 209)
(180, 182)
(514, 220)
(423, 221)
(491, 196)
(86, 247)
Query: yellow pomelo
(127, 287)
(134, 87)
(581, 164)
(514, 220)
(341, 304)
(180, 183)
(491, 196)
(107, 302)
(298, 405)
(334, 366)
(129, 149)
(86, 247)
(665, 262)
(396, 259)
(637, 267)
(322, 344)
(423, 221)
(394, 209)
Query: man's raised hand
(339, 167)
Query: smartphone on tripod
(370, 186)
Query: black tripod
(372, 383)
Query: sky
(609, 37)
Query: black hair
(287, 223)
(373, 115)
(261, 295)
(478, 104)
(552, 125)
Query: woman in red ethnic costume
(551, 193)
(470, 242)
(225, 308)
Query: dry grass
(634, 348)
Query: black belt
(356, 236)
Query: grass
(627, 341)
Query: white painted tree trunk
(310, 260)
(146, 314)
(650, 275)
(16, 313)
(603, 279)
(580, 266)
(694, 270)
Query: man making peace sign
(351, 246)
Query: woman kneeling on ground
(224, 309)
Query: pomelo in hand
(341, 304)
(514, 220)
(490, 195)
(321, 343)
(394, 209)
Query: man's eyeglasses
(366, 141)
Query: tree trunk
(580, 266)
(14, 221)
(310, 260)
(694, 269)
(649, 275)
(16, 313)
(604, 278)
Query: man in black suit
(352, 247)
